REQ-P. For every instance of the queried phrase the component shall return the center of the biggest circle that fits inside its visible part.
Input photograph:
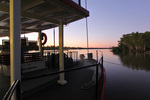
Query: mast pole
(87, 29)
(54, 39)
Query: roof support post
(40, 43)
(54, 39)
(15, 45)
(62, 80)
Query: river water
(127, 76)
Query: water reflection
(136, 61)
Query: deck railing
(70, 54)
(15, 86)
(99, 63)
(73, 55)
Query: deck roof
(39, 15)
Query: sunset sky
(108, 21)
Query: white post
(40, 43)
(62, 80)
(15, 45)
(54, 39)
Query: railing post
(71, 55)
(102, 66)
(97, 55)
(18, 89)
(74, 56)
(77, 55)
(102, 60)
(96, 90)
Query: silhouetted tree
(134, 42)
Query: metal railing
(73, 55)
(100, 61)
(70, 54)
(15, 86)
(17, 82)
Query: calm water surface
(127, 76)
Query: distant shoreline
(94, 48)
(52, 48)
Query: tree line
(134, 42)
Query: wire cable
(87, 29)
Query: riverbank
(117, 50)
(66, 48)
(71, 48)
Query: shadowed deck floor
(50, 90)
(72, 90)
(4, 85)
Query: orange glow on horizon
(70, 43)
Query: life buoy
(45, 38)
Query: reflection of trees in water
(136, 61)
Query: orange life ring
(45, 38)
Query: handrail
(58, 72)
(101, 59)
(11, 90)
(99, 62)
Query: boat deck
(4, 85)
(46, 88)
(73, 90)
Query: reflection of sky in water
(123, 83)
(108, 56)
